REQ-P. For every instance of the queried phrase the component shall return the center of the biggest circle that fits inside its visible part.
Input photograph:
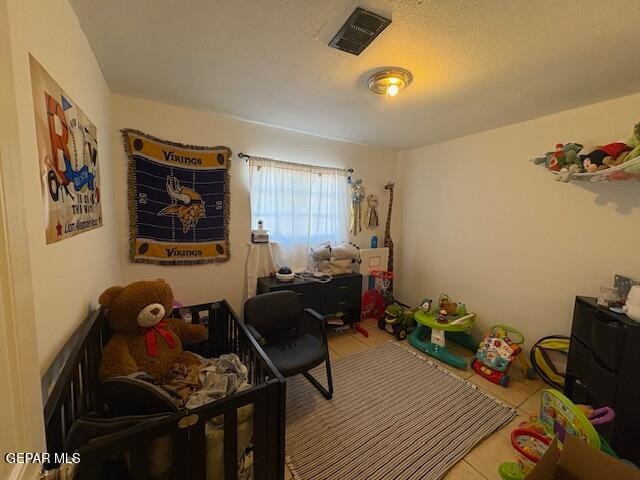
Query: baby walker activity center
(452, 322)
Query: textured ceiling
(477, 64)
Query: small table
(456, 328)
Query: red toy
(374, 303)
(497, 351)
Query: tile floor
(482, 462)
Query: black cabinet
(340, 295)
(604, 369)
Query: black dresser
(604, 369)
(341, 294)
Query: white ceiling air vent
(360, 29)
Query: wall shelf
(629, 170)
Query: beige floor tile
(376, 337)
(518, 391)
(370, 323)
(345, 344)
(374, 340)
(532, 404)
(495, 449)
(287, 473)
(463, 471)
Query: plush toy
(634, 143)
(605, 156)
(144, 339)
(614, 162)
(564, 155)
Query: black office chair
(293, 338)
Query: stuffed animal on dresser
(144, 339)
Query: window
(300, 205)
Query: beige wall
(486, 226)
(203, 283)
(66, 276)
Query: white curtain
(300, 205)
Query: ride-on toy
(429, 336)
(398, 319)
(375, 300)
(497, 351)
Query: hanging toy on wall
(387, 231)
(372, 212)
(357, 196)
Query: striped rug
(394, 415)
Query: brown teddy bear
(144, 339)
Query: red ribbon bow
(150, 337)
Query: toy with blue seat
(453, 322)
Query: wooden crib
(74, 395)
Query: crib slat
(260, 435)
(181, 455)
(86, 392)
(198, 452)
(139, 466)
(78, 389)
(231, 444)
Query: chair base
(326, 393)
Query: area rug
(394, 415)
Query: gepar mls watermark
(41, 457)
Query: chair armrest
(315, 315)
(319, 321)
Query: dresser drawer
(608, 338)
(601, 383)
(306, 293)
(579, 358)
(583, 318)
(341, 294)
(580, 393)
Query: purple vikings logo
(187, 204)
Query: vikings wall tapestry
(178, 201)
(68, 159)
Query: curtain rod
(247, 157)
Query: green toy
(634, 143)
(437, 327)
(398, 320)
(563, 156)
(558, 418)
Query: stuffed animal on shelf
(564, 155)
(144, 339)
(634, 143)
(566, 171)
(605, 156)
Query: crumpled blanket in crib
(197, 385)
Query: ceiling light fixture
(389, 82)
